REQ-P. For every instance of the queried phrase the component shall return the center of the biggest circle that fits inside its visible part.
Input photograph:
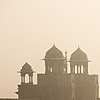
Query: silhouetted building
(86, 86)
(57, 83)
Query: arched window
(26, 78)
(51, 69)
(81, 68)
(64, 69)
(75, 68)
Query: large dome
(54, 52)
(79, 55)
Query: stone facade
(57, 83)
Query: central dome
(79, 55)
(54, 52)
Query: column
(87, 68)
(77, 69)
(24, 79)
(74, 69)
(31, 79)
(80, 69)
(84, 69)
(66, 65)
(70, 69)
(46, 67)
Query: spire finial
(66, 51)
(78, 46)
(53, 44)
(66, 54)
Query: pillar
(74, 69)
(30, 79)
(84, 69)
(80, 69)
(46, 67)
(77, 69)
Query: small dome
(54, 52)
(26, 67)
(79, 55)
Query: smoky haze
(28, 28)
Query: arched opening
(26, 78)
(64, 70)
(51, 69)
(47, 68)
(81, 68)
(75, 68)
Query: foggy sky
(28, 28)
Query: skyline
(29, 28)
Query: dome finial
(54, 44)
(66, 54)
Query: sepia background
(28, 28)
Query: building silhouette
(57, 83)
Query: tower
(86, 86)
(25, 89)
(55, 62)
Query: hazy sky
(28, 28)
